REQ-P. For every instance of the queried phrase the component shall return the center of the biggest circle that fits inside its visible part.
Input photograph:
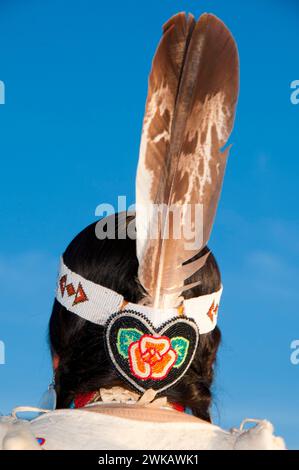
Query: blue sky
(76, 78)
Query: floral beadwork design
(148, 357)
(151, 357)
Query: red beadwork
(83, 399)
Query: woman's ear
(55, 362)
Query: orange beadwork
(152, 357)
(212, 312)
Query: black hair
(79, 344)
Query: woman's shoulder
(260, 436)
(177, 434)
(78, 429)
(15, 434)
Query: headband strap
(96, 303)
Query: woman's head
(78, 345)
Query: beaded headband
(150, 348)
(96, 303)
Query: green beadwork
(125, 337)
(181, 346)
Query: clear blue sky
(76, 80)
